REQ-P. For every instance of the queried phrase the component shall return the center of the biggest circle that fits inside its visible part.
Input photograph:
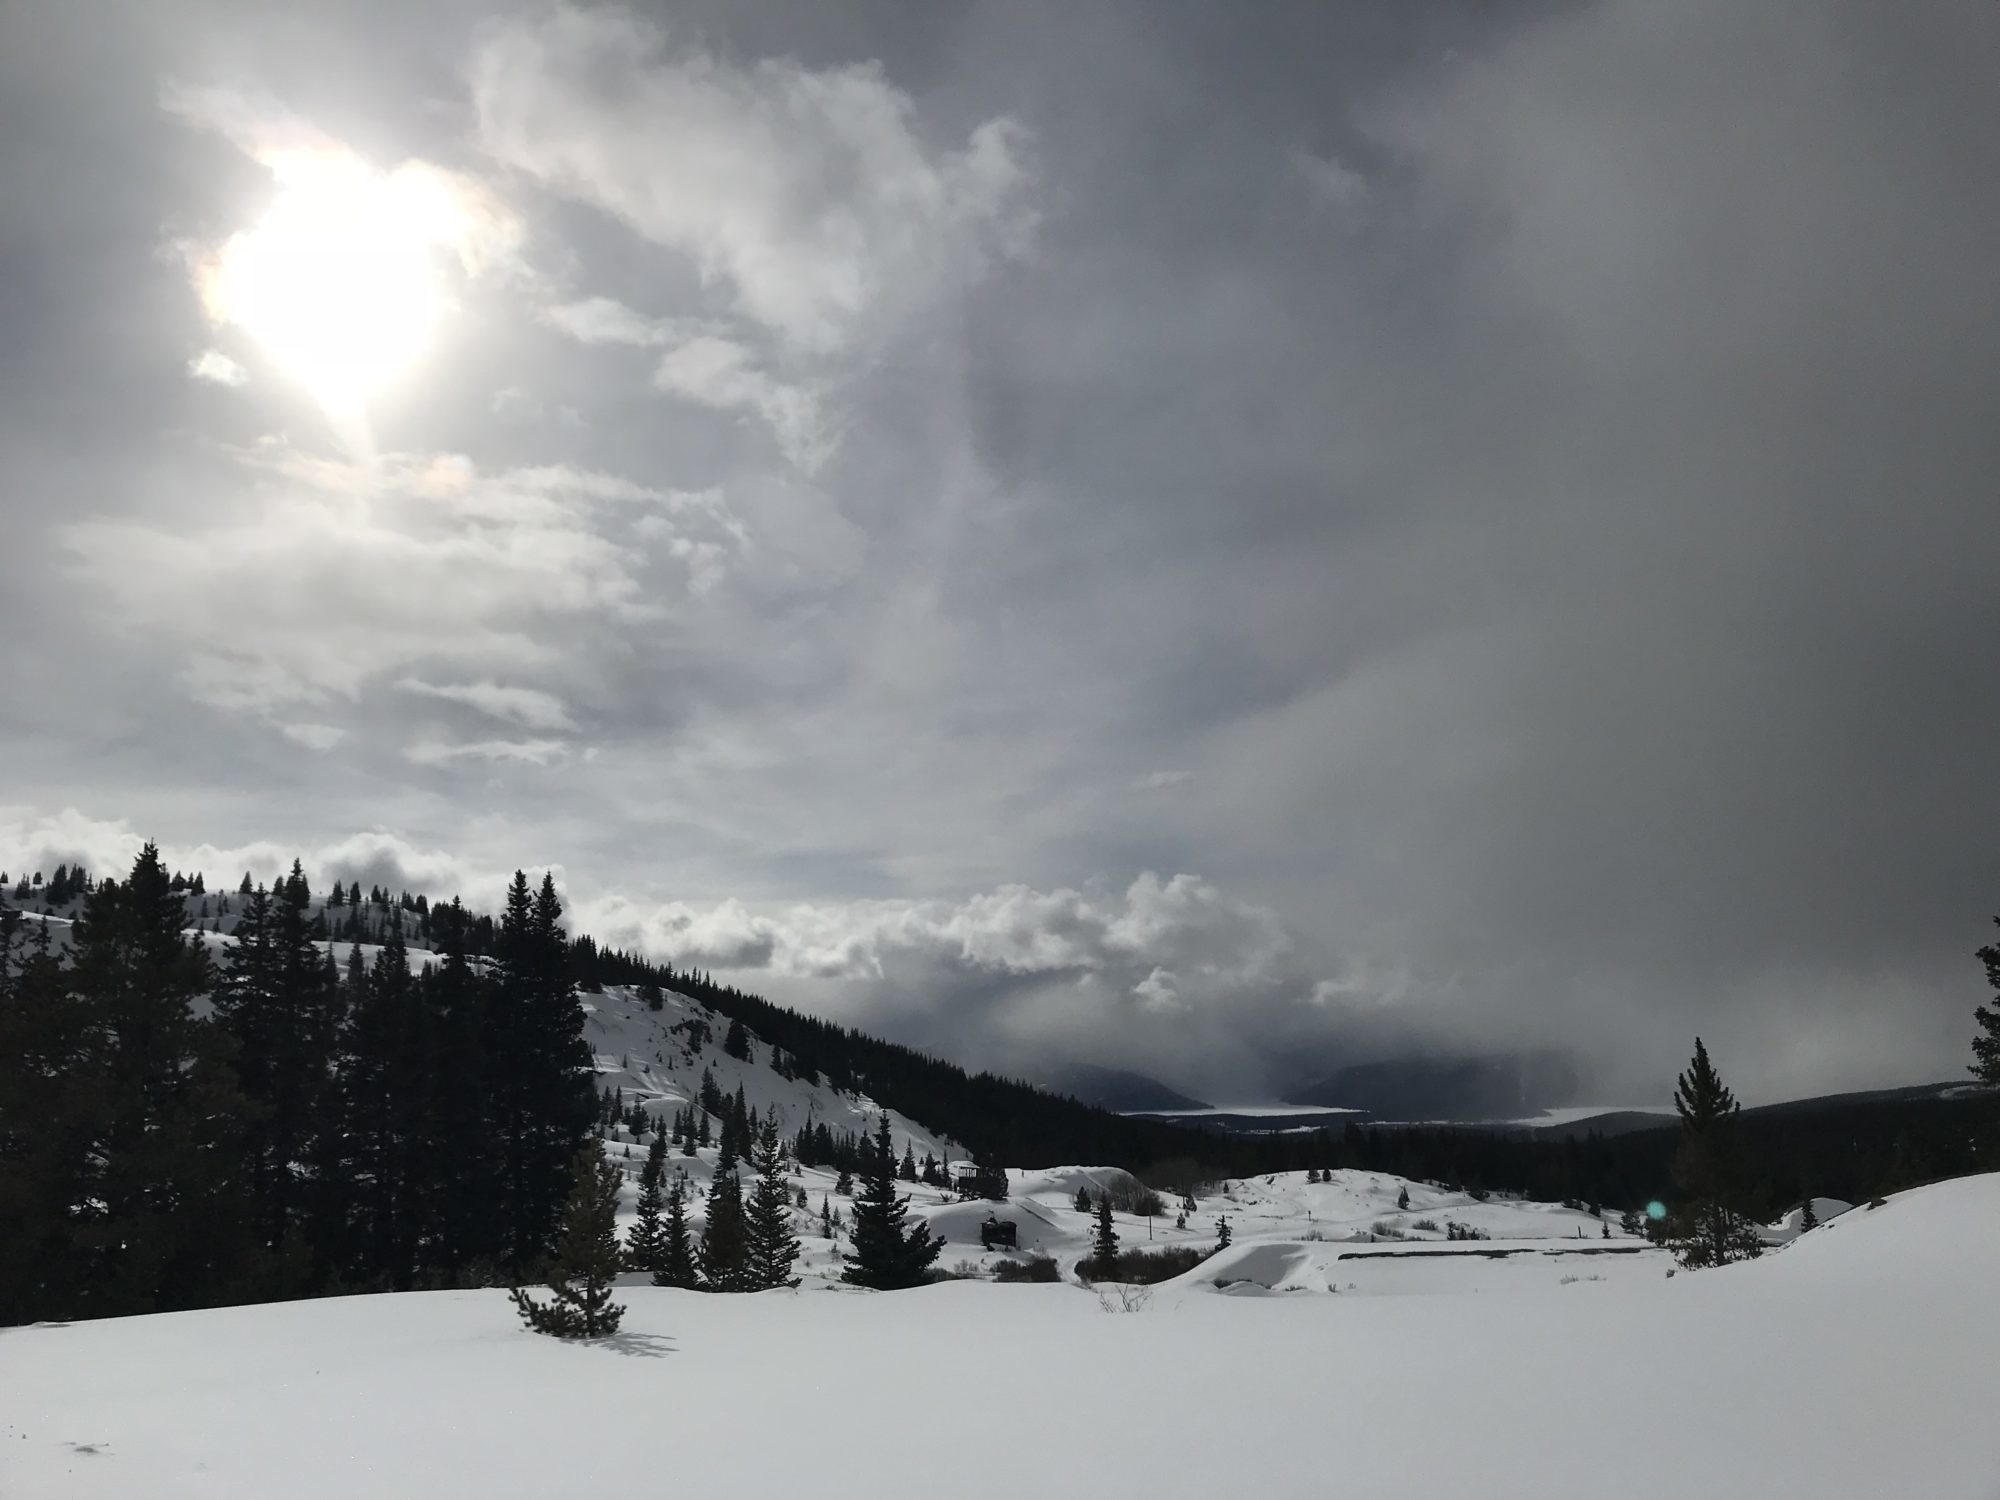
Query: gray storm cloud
(1220, 545)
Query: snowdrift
(1858, 1362)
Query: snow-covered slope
(1857, 1363)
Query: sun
(343, 281)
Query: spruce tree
(1986, 1045)
(1104, 1240)
(283, 1009)
(1808, 1219)
(773, 1248)
(725, 1239)
(1705, 1228)
(539, 1068)
(164, 1220)
(465, 1145)
(1083, 1200)
(677, 1257)
(586, 1261)
(646, 1244)
(1222, 1232)
(381, 1090)
(888, 1254)
(47, 1124)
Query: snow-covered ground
(1858, 1362)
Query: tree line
(174, 1134)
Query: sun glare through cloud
(345, 278)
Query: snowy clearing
(1871, 1374)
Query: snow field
(1857, 1364)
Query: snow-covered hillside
(1858, 1362)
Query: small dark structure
(998, 1234)
(980, 1180)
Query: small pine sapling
(587, 1259)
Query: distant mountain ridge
(1503, 1086)
(1117, 1090)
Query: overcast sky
(1221, 540)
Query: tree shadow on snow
(637, 1345)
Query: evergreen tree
(1808, 1219)
(677, 1258)
(725, 1239)
(1986, 1045)
(844, 1183)
(1705, 1228)
(646, 1244)
(1083, 1200)
(586, 1262)
(773, 1248)
(736, 1042)
(465, 1160)
(47, 1126)
(1222, 1232)
(283, 1009)
(888, 1254)
(163, 1220)
(382, 1086)
(1104, 1239)
(908, 1171)
(539, 1068)
(1403, 1199)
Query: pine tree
(283, 1010)
(773, 1248)
(539, 1068)
(1104, 1239)
(646, 1244)
(677, 1255)
(1808, 1219)
(46, 1126)
(888, 1254)
(586, 1261)
(384, 1145)
(1083, 1200)
(1403, 1199)
(725, 1240)
(1986, 1046)
(736, 1042)
(1222, 1232)
(844, 1183)
(465, 1146)
(1704, 1228)
(163, 1220)
(908, 1171)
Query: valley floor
(1859, 1361)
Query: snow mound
(1942, 1230)
(1275, 1265)
(1786, 1229)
